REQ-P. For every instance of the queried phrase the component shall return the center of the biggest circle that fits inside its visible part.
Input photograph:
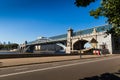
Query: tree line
(8, 46)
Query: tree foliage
(109, 9)
(8, 46)
(83, 3)
(1, 46)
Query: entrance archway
(78, 45)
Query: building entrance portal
(79, 45)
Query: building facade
(76, 41)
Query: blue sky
(22, 20)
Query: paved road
(67, 70)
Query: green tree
(9, 46)
(109, 9)
(1, 46)
(14, 46)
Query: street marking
(49, 68)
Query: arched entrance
(78, 45)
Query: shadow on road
(105, 76)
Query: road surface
(85, 69)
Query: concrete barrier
(27, 55)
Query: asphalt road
(106, 68)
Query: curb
(52, 61)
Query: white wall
(104, 40)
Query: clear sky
(22, 20)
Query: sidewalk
(38, 60)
